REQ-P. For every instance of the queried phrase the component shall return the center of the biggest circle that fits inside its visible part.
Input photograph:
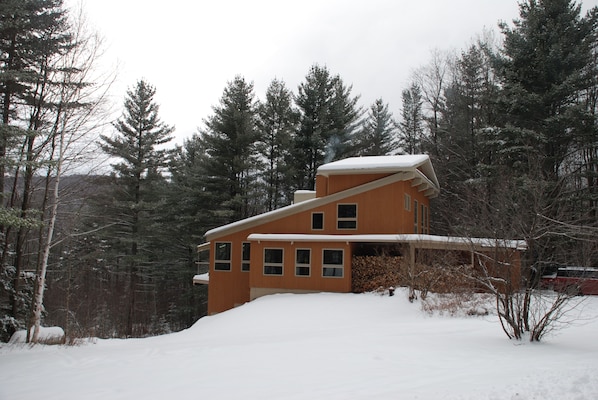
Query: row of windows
(421, 215)
(346, 216)
(332, 260)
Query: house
(359, 204)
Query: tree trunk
(38, 297)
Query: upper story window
(346, 216)
(273, 261)
(222, 256)
(317, 221)
(245, 256)
(407, 202)
(302, 262)
(333, 263)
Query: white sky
(189, 50)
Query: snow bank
(318, 347)
(47, 335)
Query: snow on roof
(436, 241)
(201, 279)
(419, 165)
(381, 164)
(371, 163)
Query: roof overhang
(418, 241)
(382, 165)
(201, 279)
(203, 247)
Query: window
(428, 220)
(245, 256)
(415, 220)
(302, 262)
(317, 221)
(423, 219)
(347, 216)
(273, 261)
(222, 256)
(407, 202)
(332, 263)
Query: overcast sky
(189, 49)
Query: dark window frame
(245, 256)
(222, 264)
(313, 221)
(301, 265)
(330, 268)
(270, 267)
(344, 220)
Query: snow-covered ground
(317, 346)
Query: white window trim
(270, 264)
(229, 261)
(340, 266)
(303, 265)
(339, 219)
(312, 221)
(243, 261)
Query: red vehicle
(573, 280)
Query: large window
(424, 219)
(317, 221)
(347, 216)
(245, 256)
(302, 262)
(273, 261)
(222, 256)
(332, 263)
(415, 219)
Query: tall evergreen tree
(378, 134)
(137, 179)
(230, 141)
(329, 116)
(544, 69)
(277, 122)
(34, 34)
(411, 128)
(31, 32)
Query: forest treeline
(510, 124)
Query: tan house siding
(379, 211)
(338, 183)
(373, 193)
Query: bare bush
(464, 303)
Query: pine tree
(544, 69)
(378, 134)
(411, 125)
(33, 35)
(329, 117)
(277, 122)
(138, 177)
(230, 141)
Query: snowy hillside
(319, 346)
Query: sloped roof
(402, 168)
(306, 205)
(381, 164)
